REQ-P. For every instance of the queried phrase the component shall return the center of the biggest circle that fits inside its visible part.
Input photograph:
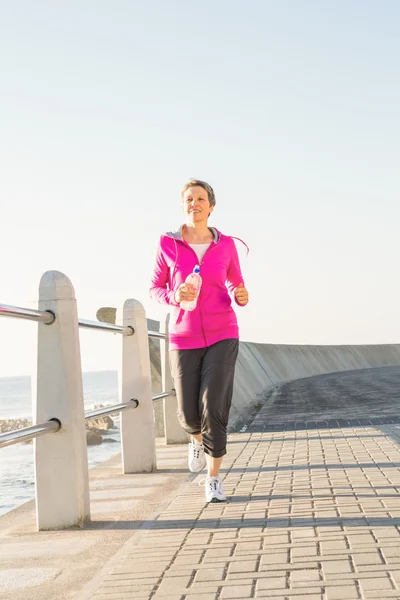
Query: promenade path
(313, 511)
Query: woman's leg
(214, 465)
(186, 374)
(216, 389)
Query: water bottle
(195, 279)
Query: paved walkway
(314, 513)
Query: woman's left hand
(241, 294)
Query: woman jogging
(203, 342)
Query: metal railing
(157, 334)
(101, 326)
(49, 317)
(39, 316)
(109, 410)
(27, 434)
(60, 395)
(163, 395)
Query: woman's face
(196, 204)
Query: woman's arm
(235, 281)
(159, 281)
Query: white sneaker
(196, 456)
(214, 490)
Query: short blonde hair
(206, 186)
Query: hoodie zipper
(201, 317)
(200, 263)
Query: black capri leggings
(203, 381)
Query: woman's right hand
(186, 291)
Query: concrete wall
(262, 367)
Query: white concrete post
(61, 463)
(174, 434)
(137, 425)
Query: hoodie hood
(177, 234)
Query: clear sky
(291, 110)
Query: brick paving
(313, 513)
(362, 397)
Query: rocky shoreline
(95, 428)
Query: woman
(204, 342)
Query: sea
(17, 483)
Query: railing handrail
(53, 426)
(157, 334)
(163, 395)
(48, 317)
(109, 410)
(26, 434)
(101, 326)
(41, 316)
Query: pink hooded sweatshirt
(213, 319)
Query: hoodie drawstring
(244, 243)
